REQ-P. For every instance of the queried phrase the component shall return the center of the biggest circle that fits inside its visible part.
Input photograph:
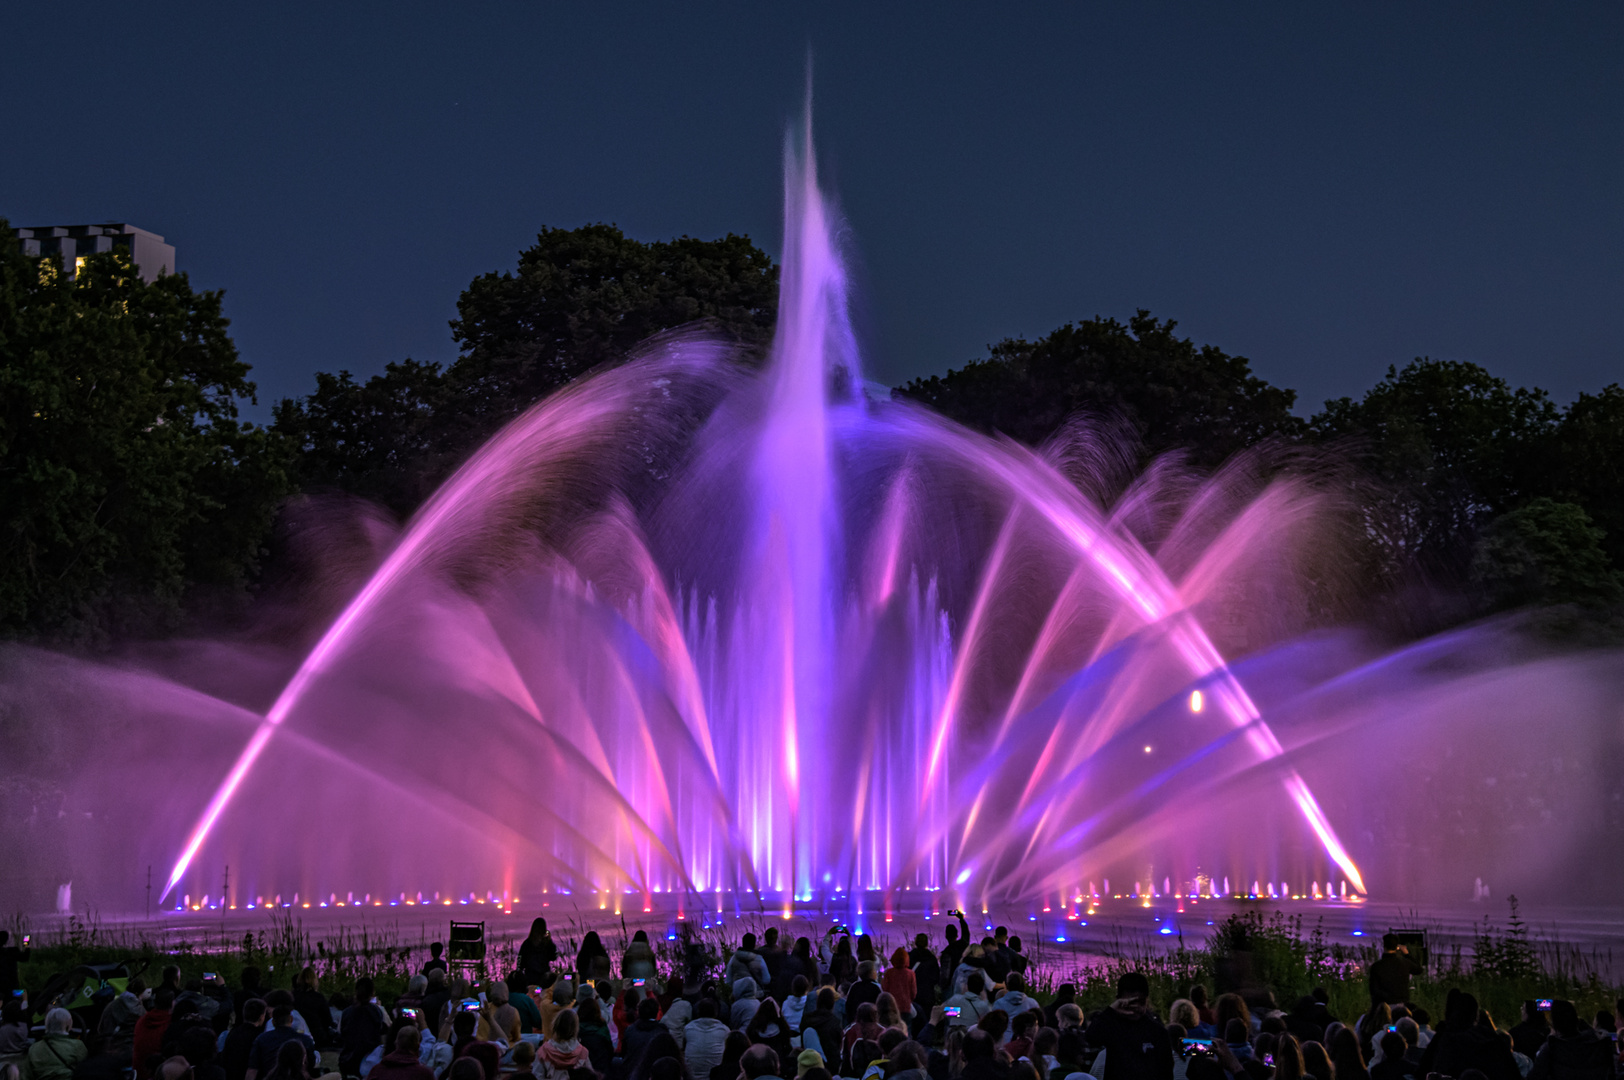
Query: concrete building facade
(148, 251)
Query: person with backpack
(54, 1055)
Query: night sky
(1325, 189)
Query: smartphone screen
(1542, 1004)
(209, 976)
(25, 940)
(639, 982)
(951, 1010)
(470, 1005)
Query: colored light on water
(1165, 930)
(1062, 940)
(1358, 933)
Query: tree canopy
(130, 491)
(1175, 394)
(1444, 446)
(1587, 463)
(1544, 552)
(127, 482)
(580, 298)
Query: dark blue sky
(1326, 189)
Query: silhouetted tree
(580, 298)
(127, 484)
(1175, 394)
(1442, 447)
(1587, 465)
(384, 438)
(1544, 552)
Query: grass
(1504, 965)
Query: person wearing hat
(808, 1059)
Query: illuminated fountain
(691, 635)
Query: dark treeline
(134, 502)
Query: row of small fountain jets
(1074, 907)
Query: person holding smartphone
(10, 957)
(957, 941)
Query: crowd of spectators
(781, 1011)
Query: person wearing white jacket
(703, 1038)
(1014, 1000)
(676, 1018)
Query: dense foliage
(581, 298)
(1175, 394)
(131, 493)
(127, 483)
(1457, 481)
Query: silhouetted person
(240, 1039)
(360, 1029)
(636, 1038)
(1136, 1044)
(927, 978)
(537, 953)
(1572, 1052)
(267, 1049)
(1528, 1035)
(958, 939)
(402, 1062)
(1390, 975)
(10, 956)
(866, 989)
(758, 1063)
(1462, 1044)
